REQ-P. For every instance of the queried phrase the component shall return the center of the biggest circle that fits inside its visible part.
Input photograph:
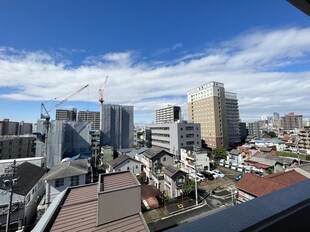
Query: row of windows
(74, 181)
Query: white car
(199, 177)
(218, 173)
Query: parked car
(222, 162)
(234, 166)
(219, 173)
(240, 168)
(199, 177)
(238, 177)
(208, 175)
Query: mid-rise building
(232, 116)
(90, 116)
(117, 126)
(291, 121)
(254, 129)
(173, 136)
(67, 115)
(15, 128)
(207, 106)
(243, 131)
(168, 114)
(304, 139)
(13, 147)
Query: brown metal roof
(148, 191)
(258, 186)
(117, 180)
(79, 213)
(288, 178)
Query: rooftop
(121, 159)
(171, 171)
(118, 180)
(154, 151)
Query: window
(127, 168)
(74, 180)
(164, 158)
(59, 182)
(137, 166)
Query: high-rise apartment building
(15, 128)
(67, 115)
(207, 106)
(291, 121)
(276, 119)
(90, 116)
(232, 116)
(254, 129)
(117, 126)
(168, 114)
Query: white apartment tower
(168, 114)
(206, 105)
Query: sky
(153, 52)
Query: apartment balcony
(158, 176)
(190, 156)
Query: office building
(117, 126)
(232, 116)
(206, 105)
(243, 131)
(168, 114)
(291, 121)
(173, 136)
(67, 115)
(254, 129)
(90, 116)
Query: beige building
(206, 105)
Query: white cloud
(252, 65)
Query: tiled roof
(121, 159)
(154, 151)
(171, 171)
(258, 186)
(118, 180)
(79, 213)
(287, 178)
(67, 169)
(28, 175)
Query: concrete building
(173, 136)
(14, 128)
(67, 115)
(6, 164)
(117, 126)
(232, 116)
(90, 116)
(12, 147)
(207, 106)
(291, 121)
(254, 129)
(65, 139)
(190, 158)
(168, 114)
(124, 163)
(304, 140)
(243, 131)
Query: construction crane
(45, 113)
(101, 90)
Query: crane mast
(101, 91)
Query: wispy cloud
(254, 65)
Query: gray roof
(171, 171)
(137, 151)
(67, 169)
(235, 152)
(121, 159)
(28, 175)
(154, 151)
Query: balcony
(158, 176)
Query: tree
(188, 187)
(219, 153)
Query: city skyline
(153, 53)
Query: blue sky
(153, 52)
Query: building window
(74, 180)
(127, 168)
(164, 158)
(137, 166)
(59, 182)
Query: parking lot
(221, 183)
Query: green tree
(188, 186)
(219, 153)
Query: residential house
(190, 158)
(151, 197)
(124, 163)
(28, 189)
(235, 157)
(112, 204)
(154, 159)
(137, 153)
(252, 186)
(64, 175)
(174, 180)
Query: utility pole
(196, 191)
(11, 183)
